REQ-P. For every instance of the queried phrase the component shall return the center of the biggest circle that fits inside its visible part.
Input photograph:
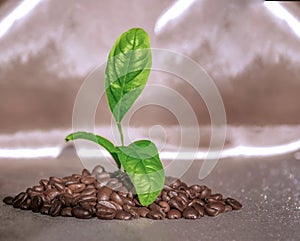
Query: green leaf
(99, 140)
(127, 70)
(141, 162)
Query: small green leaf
(99, 140)
(141, 162)
(127, 70)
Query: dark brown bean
(165, 196)
(53, 180)
(66, 212)
(183, 196)
(128, 201)
(36, 204)
(134, 211)
(104, 212)
(20, 198)
(175, 184)
(91, 206)
(118, 206)
(199, 209)
(66, 199)
(85, 172)
(43, 182)
(72, 182)
(206, 192)
(51, 193)
(82, 213)
(172, 194)
(76, 176)
(236, 205)
(25, 205)
(196, 188)
(59, 186)
(116, 198)
(45, 210)
(143, 211)
(8, 200)
(106, 204)
(156, 207)
(39, 188)
(215, 208)
(190, 213)
(104, 193)
(174, 214)
(87, 198)
(55, 208)
(165, 206)
(77, 188)
(87, 180)
(216, 196)
(89, 191)
(178, 203)
(227, 208)
(155, 215)
(122, 215)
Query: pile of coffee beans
(111, 196)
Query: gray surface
(268, 188)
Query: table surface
(268, 188)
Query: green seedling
(126, 74)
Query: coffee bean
(233, 203)
(196, 188)
(122, 215)
(175, 184)
(97, 170)
(66, 199)
(76, 176)
(143, 211)
(206, 192)
(172, 194)
(104, 212)
(128, 201)
(85, 172)
(118, 206)
(134, 211)
(213, 209)
(155, 207)
(227, 208)
(174, 214)
(216, 196)
(190, 213)
(116, 198)
(183, 187)
(87, 180)
(53, 180)
(36, 204)
(25, 205)
(8, 200)
(44, 182)
(104, 193)
(198, 201)
(178, 203)
(90, 206)
(88, 198)
(199, 209)
(51, 193)
(66, 212)
(165, 206)
(39, 188)
(165, 196)
(77, 188)
(80, 212)
(155, 215)
(106, 204)
(184, 197)
(89, 191)
(72, 182)
(20, 198)
(192, 194)
(55, 208)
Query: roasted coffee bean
(176, 184)
(51, 194)
(76, 176)
(44, 182)
(199, 209)
(104, 193)
(66, 212)
(85, 172)
(87, 198)
(39, 188)
(122, 215)
(116, 198)
(58, 186)
(53, 180)
(165, 196)
(165, 206)
(216, 196)
(77, 188)
(155, 215)
(183, 196)
(196, 188)
(172, 194)
(89, 191)
(45, 210)
(206, 192)
(134, 211)
(128, 201)
(183, 187)
(32, 193)
(55, 208)
(213, 209)
(20, 198)
(97, 170)
(227, 208)
(80, 212)
(178, 203)
(87, 180)
(25, 205)
(72, 182)
(143, 211)
(156, 207)
(90, 206)
(190, 213)
(118, 206)
(192, 194)
(106, 204)
(8, 200)
(104, 212)
(233, 203)
(66, 199)
(36, 204)
(174, 214)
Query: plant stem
(121, 132)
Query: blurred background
(250, 48)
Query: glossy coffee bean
(44, 182)
(118, 206)
(199, 209)
(66, 212)
(25, 205)
(104, 193)
(20, 198)
(51, 193)
(174, 214)
(183, 197)
(87, 180)
(39, 188)
(80, 212)
(53, 180)
(77, 188)
(178, 203)
(55, 208)
(134, 211)
(176, 184)
(196, 188)
(156, 207)
(143, 211)
(116, 198)
(122, 215)
(236, 205)
(36, 204)
(213, 209)
(58, 186)
(8, 200)
(45, 210)
(155, 215)
(190, 213)
(227, 208)
(206, 192)
(103, 212)
(165, 206)
(72, 182)
(87, 198)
